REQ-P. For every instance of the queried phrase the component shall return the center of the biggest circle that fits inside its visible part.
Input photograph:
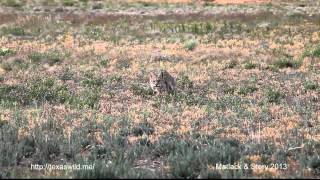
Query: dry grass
(75, 92)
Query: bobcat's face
(154, 80)
(161, 82)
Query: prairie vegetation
(74, 88)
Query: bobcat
(162, 82)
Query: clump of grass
(228, 89)
(310, 85)
(250, 65)
(188, 158)
(66, 75)
(184, 82)
(186, 165)
(53, 57)
(68, 2)
(141, 91)
(316, 52)
(6, 66)
(312, 52)
(272, 67)
(115, 80)
(190, 98)
(37, 90)
(245, 90)
(35, 57)
(9, 136)
(12, 3)
(3, 123)
(46, 89)
(6, 51)
(231, 64)
(26, 147)
(144, 4)
(97, 6)
(314, 164)
(123, 63)
(273, 95)
(50, 57)
(92, 81)
(103, 61)
(100, 171)
(89, 98)
(13, 94)
(15, 31)
(94, 32)
(190, 45)
(143, 128)
(17, 63)
(286, 63)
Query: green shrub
(188, 159)
(310, 85)
(52, 57)
(68, 2)
(287, 63)
(6, 51)
(10, 94)
(92, 81)
(66, 75)
(38, 90)
(143, 128)
(35, 57)
(94, 32)
(12, 3)
(314, 164)
(316, 51)
(97, 6)
(312, 52)
(231, 64)
(186, 164)
(41, 90)
(227, 89)
(274, 95)
(250, 65)
(184, 82)
(123, 63)
(89, 98)
(15, 31)
(138, 90)
(247, 90)
(190, 45)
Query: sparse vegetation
(74, 88)
(286, 63)
(250, 65)
(190, 45)
(311, 85)
(15, 31)
(247, 90)
(6, 51)
(12, 3)
(273, 96)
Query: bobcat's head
(154, 80)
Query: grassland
(74, 88)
